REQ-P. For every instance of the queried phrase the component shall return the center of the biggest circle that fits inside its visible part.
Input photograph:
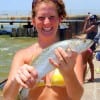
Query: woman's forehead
(46, 8)
(46, 4)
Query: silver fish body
(42, 65)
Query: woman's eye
(41, 18)
(52, 17)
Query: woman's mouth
(47, 29)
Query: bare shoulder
(23, 56)
(26, 54)
(27, 50)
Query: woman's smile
(47, 30)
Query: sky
(72, 6)
(82, 6)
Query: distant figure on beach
(88, 58)
(90, 29)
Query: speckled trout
(42, 65)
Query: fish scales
(41, 63)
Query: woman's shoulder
(27, 52)
(27, 49)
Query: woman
(46, 16)
(90, 28)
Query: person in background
(90, 29)
(88, 58)
(46, 16)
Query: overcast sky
(72, 6)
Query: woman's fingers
(62, 56)
(26, 76)
(54, 63)
(65, 58)
(32, 71)
(18, 79)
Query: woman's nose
(46, 21)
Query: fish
(42, 64)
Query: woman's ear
(60, 19)
(33, 22)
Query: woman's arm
(74, 84)
(66, 65)
(11, 88)
(21, 75)
(88, 28)
(85, 24)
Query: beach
(92, 89)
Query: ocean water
(8, 47)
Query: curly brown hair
(59, 4)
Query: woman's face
(92, 21)
(46, 20)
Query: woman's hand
(26, 76)
(87, 18)
(65, 61)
